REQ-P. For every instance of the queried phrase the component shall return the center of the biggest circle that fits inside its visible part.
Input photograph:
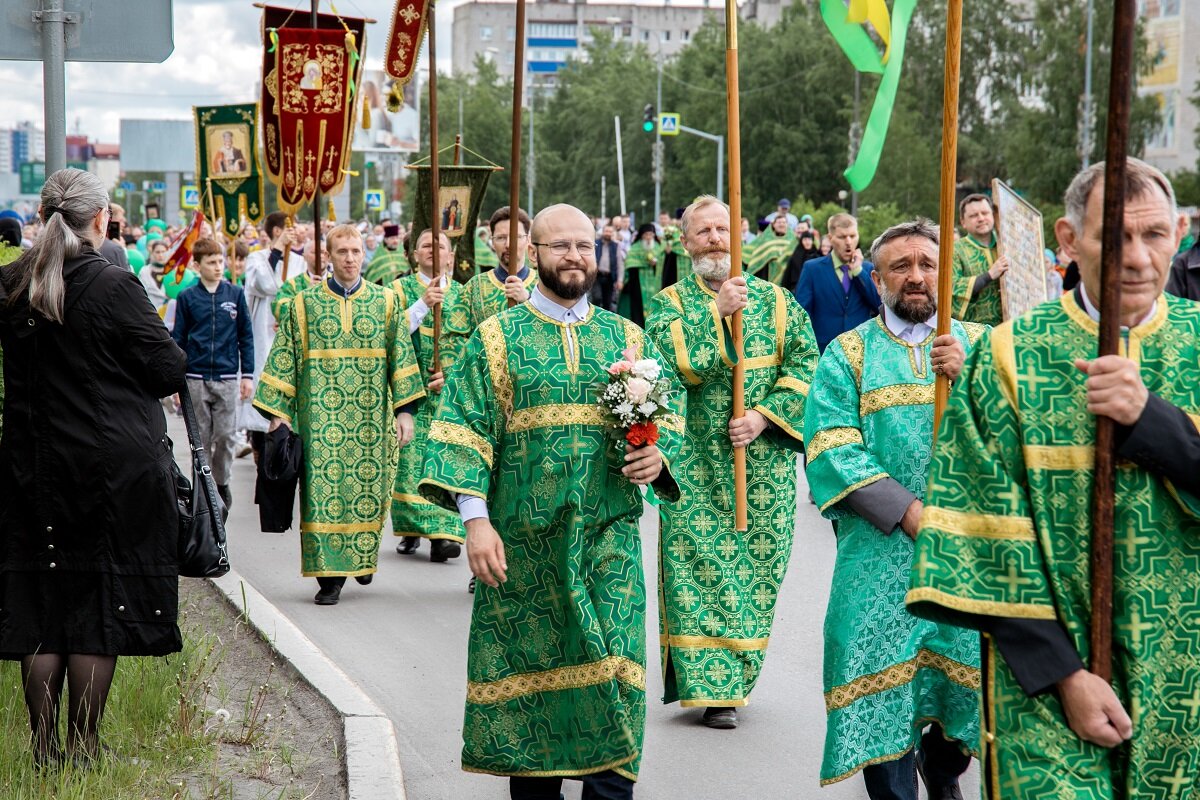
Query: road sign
(373, 199)
(158, 186)
(189, 197)
(96, 30)
(128, 186)
(668, 123)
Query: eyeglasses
(562, 248)
(503, 239)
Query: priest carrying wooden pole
(733, 136)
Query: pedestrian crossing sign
(668, 123)
(373, 198)
(189, 197)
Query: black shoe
(408, 545)
(331, 591)
(724, 719)
(226, 496)
(442, 549)
(471, 585)
(943, 791)
(365, 580)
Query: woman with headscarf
(88, 516)
(641, 275)
(806, 250)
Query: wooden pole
(1104, 476)
(435, 217)
(945, 288)
(733, 110)
(516, 258)
(316, 24)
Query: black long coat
(88, 515)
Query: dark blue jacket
(832, 310)
(214, 329)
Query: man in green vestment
(485, 256)
(389, 261)
(339, 370)
(414, 517)
(977, 265)
(557, 649)
(719, 587)
(766, 257)
(642, 264)
(869, 426)
(489, 293)
(1006, 530)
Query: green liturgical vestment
(413, 515)
(290, 288)
(485, 256)
(386, 265)
(638, 262)
(887, 673)
(1006, 532)
(766, 256)
(338, 372)
(971, 260)
(719, 587)
(484, 297)
(556, 656)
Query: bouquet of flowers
(635, 400)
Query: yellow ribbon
(876, 13)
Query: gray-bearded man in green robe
(869, 429)
(551, 501)
(341, 367)
(719, 587)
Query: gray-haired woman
(88, 514)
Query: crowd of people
(469, 414)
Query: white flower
(647, 368)
(636, 389)
(623, 409)
(646, 409)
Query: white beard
(712, 266)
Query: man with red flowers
(719, 586)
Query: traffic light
(649, 120)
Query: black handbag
(202, 547)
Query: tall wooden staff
(733, 134)
(1120, 88)
(516, 258)
(435, 218)
(949, 181)
(316, 23)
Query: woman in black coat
(88, 516)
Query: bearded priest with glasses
(720, 586)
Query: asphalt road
(404, 640)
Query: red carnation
(641, 434)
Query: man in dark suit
(836, 290)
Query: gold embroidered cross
(1015, 782)
(1177, 781)
(1135, 626)
(497, 610)
(1013, 580)
(924, 565)
(1192, 705)
(1131, 540)
(409, 13)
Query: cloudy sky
(216, 60)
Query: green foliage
(1187, 187)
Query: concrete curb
(372, 755)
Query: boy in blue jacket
(212, 325)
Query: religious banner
(272, 20)
(316, 72)
(1019, 236)
(460, 196)
(228, 173)
(404, 45)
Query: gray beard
(712, 267)
(909, 312)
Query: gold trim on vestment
(348, 352)
(898, 675)
(389, 304)
(578, 676)
(554, 415)
(780, 422)
(271, 380)
(1195, 418)
(561, 773)
(898, 394)
(431, 536)
(978, 526)
(1062, 457)
(987, 608)
(338, 573)
(869, 763)
(713, 643)
(403, 372)
(342, 527)
(452, 490)
(714, 703)
(854, 488)
(415, 499)
(300, 314)
(682, 359)
(497, 356)
(831, 438)
(974, 330)
(780, 320)
(274, 412)
(462, 436)
(852, 346)
(672, 295)
(1005, 360)
(412, 398)
(761, 362)
(795, 384)
(673, 422)
(719, 332)
(634, 338)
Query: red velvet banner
(274, 18)
(315, 71)
(404, 40)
